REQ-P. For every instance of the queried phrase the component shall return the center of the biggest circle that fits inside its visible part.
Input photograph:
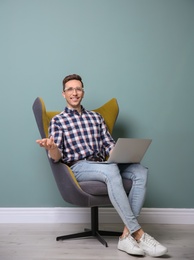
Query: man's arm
(49, 144)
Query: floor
(38, 242)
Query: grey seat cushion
(99, 188)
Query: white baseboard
(82, 215)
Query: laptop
(129, 150)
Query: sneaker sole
(130, 253)
(156, 255)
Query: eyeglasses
(70, 90)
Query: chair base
(93, 232)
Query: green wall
(141, 52)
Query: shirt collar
(74, 111)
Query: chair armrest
(67, 184)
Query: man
(80, 139)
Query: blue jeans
(128, 207)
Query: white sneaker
(150, 246)
(129, 245)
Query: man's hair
(72, 77)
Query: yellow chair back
(109, 111)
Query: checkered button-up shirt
(80, 135)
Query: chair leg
(76, 235)
(94, 231)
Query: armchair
(92, 194)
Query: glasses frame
(71, 89)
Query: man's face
(73, 93)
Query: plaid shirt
(80, 135)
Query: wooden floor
(38, 242)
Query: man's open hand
(47, 143)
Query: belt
(93, 159)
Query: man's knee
(140, 172)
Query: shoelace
(150, 240)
